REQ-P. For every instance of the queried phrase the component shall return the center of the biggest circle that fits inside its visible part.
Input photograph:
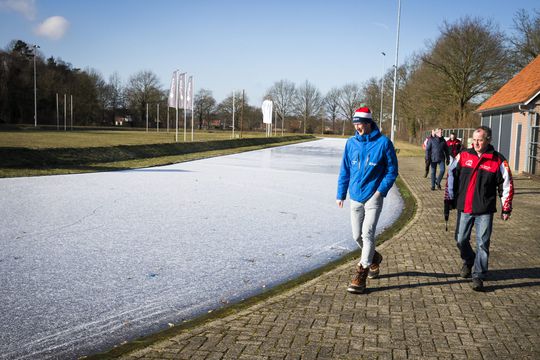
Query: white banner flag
(181, 90)
(267, 111)
(172, 91)
(189, 93)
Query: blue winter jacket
(369, 164)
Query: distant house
(121, 120)
(513, 115)
(216, 124)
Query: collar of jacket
(487, 154)
(372, 136)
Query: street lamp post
(35, 47)
(382, 89)
(395, 73)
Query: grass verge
(15, 161)
(407, 215)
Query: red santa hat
(362, 115)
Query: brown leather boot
(358, 283)
(374, 268)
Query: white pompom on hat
(362, 115)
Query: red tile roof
(518, 90)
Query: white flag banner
(172, 91)
(181, 90)
(267, 111)
(189, 93)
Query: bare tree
(282, 93)
(116, 99)
(331, 106)
(525, 42)
(372, 96)
(308, 104)
(204, 104)
(101, 92)
(142, 88)
(350, 100)
(225, 108)
(469, 57)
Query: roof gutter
(499, 108)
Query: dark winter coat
(474, 183)
(437, 150)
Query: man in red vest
(454, 145)
(475, 179)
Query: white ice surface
(89, 261)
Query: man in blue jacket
(437, 153)
(368, 171)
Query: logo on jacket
(372, 164)
(468, 163)
(354, 162)
(485, 167)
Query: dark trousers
(436, 180)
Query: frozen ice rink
(89, 261)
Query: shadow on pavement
(418, 273)
(493, 275)
(415, 285)
(510, 274)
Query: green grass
(47, 158)
(44, 139)
(406, 149)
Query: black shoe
(439, 186)
(432, 188)
(477, 284)
(465, 271)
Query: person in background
(424, 145)
(437, 154)
(369, 168)
(475, 179)
(454, 145)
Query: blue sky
(239, 44)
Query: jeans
(441, 173)
(484, 225)
(364, 218)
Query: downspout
(523, 109)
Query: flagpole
(157, 122)
(233, 114)
(177, 83)
(185, 117)
(395, 74)
(57, 114)
(192, 101)
(71, 110)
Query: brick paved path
(418, 308)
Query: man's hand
(339, 203)
(505, 216)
